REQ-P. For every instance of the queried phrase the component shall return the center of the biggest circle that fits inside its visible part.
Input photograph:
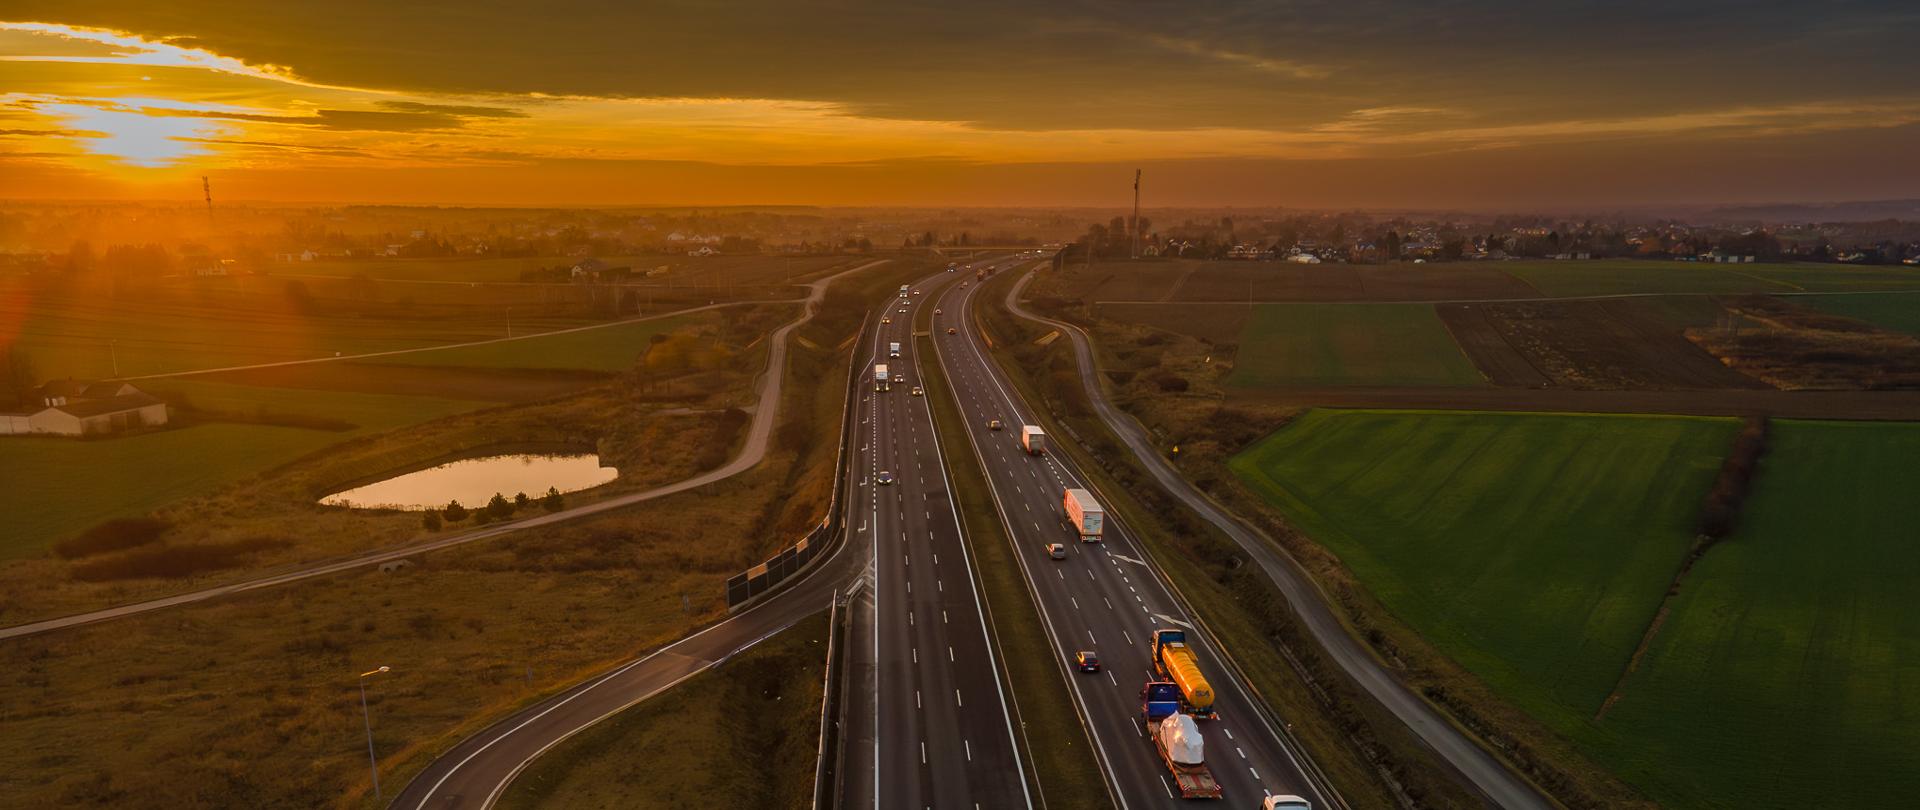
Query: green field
(1899, 312)
(1838, 277)
(1349, 344)
(1532, 548)
(1622, 276)
(610, 348)
(52, 487)
(1785, 675)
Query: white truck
(1084, 514)
(1033, 439)
(893, 349)
(880, 381)
(904, 288)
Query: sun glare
(135, 138)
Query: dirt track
(1871, 405)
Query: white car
(1286, 803)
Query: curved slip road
(957, 747)
(1311, 606)
(752, 451)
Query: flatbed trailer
(1176, 738)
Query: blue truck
(1176, 737)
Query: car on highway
(884, 478)
(994, 424)
(965, 283)
(1086, 661)
(903, 310)
(1287, 802)
(1057, 551)
(885, 321)
(952, 331)
(916, 292)
(917, 391)
(938, 311)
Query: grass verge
(739, 735)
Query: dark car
(884, 478)
(1086, 661)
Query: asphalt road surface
(752, 451)
(1105, 598)
(943, 735)
(1488, 774)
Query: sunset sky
(1316, 104)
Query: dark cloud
(48, 133)
(456, 110)
(346, 120)
(1074, 64)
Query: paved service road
(751, 452)
(1105, 597)
(1488, 774)
(943, 733)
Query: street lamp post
(366, 716)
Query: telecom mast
(1133, 225)
(207, 189)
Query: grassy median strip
(1058, 751)
(740, 735)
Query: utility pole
(1133, 225)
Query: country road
(1310, 604)
(751, 452)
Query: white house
(77, 408)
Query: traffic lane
(941, 559)
(1253, 779)
(975, 764)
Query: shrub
(553, 501)
(499, 507)
(482, 517)
(111, 535)
(521, 501)
(1722, 509)
(431, 520)
(455, 512)
(1170, 382)
(172, 562)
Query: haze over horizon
(1472, 105)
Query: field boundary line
(487, 342)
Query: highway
(943, 733)
(1105, 597)
(1499, 784)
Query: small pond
(473, 481)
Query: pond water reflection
(474, 480)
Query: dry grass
(1794, 346)
(251, 701)
(758, 714)
(656, 425)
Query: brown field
(1795, 346)
(1213, 323)
(1625, 344)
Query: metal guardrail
(749, 585)
(826, 768)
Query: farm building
(77, 408)
(597, 270)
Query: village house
(80, 408)
(590, 270)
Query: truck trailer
(1084, 514)
(880, 379)
(893, 349)
(1033, 439)
(1175, 661)
(904, 288)
(1176, 738)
